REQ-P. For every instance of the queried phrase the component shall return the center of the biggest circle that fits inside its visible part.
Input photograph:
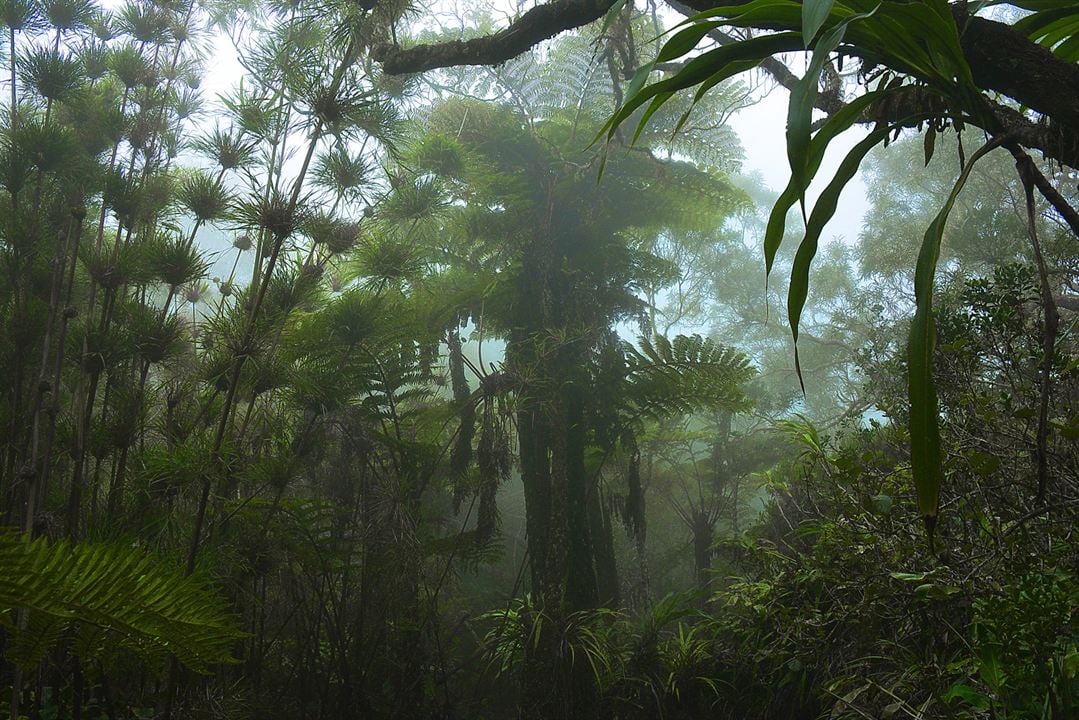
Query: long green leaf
(611, 14)
(802, 101)
(776, 10)
(823, 210)
(840, 121)
(685, 40)
(701, 68)
(925, 454)
(814, 13)
(1069, 49)
(730, 71)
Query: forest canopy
(380, 360)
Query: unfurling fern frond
(691, 372)
(142, 604)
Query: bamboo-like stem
(86, 400)
(14, 91)
(262, 283)
(33, 489)
(82, 400)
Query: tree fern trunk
(581, 586)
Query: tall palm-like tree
(508, 191)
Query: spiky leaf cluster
(226, 147)
(54, 75)
(342, 172)
(21, 15)
(175, 261)
(275, 214)
(68, 15)
(203, 196)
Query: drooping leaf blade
(702, 68)
(823, 210)
(814, 13)
(840, 121)
(802, 101)
(925, 454)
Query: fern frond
(144, 605)
(689, 373)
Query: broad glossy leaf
(814, 13)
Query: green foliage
(54, 75)
(344, 174)
(637, 664)
(129, 595)
(404, 397)
(891, 32)
(146, 404)
(1052, 24)
(690, 373)
(203, 196)
(20, 15)
(925, 450)
(174, 261)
